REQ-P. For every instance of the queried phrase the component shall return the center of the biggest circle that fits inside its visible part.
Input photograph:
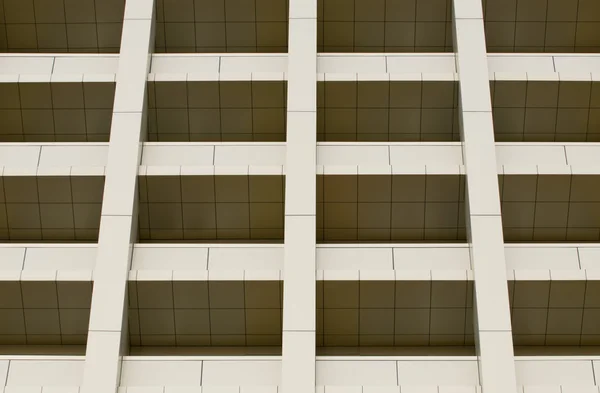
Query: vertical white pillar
(299, 302)
(493, 333)
(108, 335)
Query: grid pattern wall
(55, 112)
(228, 207)
(560, 312)
(401, 313)
(210, 313)
(550, 208)
(188, 156)
(390, 208)
(535, 110)
(380, 111)
(217, 111)
(542, 26)
(59, 26)
(44, 311)
(50, 208)
(242, 26)
(384, 26)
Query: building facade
(262, 196)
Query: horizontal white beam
(186, 257)
(326, 63)
(221, 63)
(157, 372)
(39, 64)
(573, 373)
(543, 62)
(386, 64)
(37, 257)
(328, 154)
(203, 154)
(29, 372)
(29, 156)
(369, 63)
(548, 154)
(413, 155)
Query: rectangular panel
(184, 64)
(4, 370)
(241, 373)
(45, 373)
(525, 154)
(250, 155)
(161, 373)
(73, 155)
(440, 372)
(450, 154)
(253, 63)
(432, 258)
(245, 258)
(19, 156)
(584, 155)
(589, 258)
(421, 64)
(554, 372)
(349, 258)
(351, 64)
(169, 258)
(356, 372)
(587, 63)
(12, 258)
(520, 63)
(93, 64)
(59, 258)
(541, 258)
(352, 155)
(170, 154)
(26, 65)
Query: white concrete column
(493, 333)
(108, 334)
(299, 302)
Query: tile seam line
(7, 373)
